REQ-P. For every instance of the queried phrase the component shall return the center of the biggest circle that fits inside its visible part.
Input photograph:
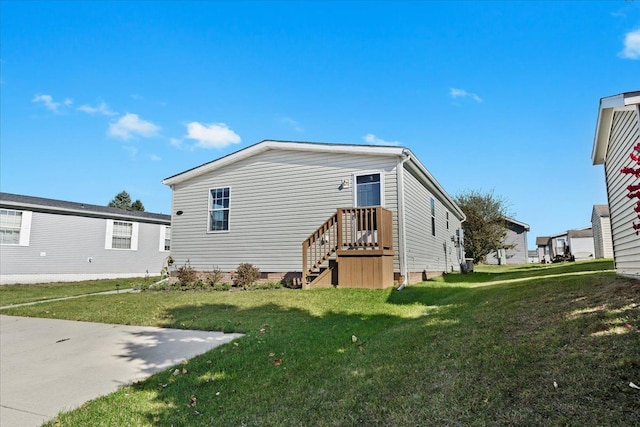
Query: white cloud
(292, 123)
(461, 93)
(631, 45)
(49, 103)
(374, 140)
(130, 125)
(155, 157)
(101, 108)
(214, 135)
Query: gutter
(403, 234)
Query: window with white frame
(219, 209)
(15, 227)
(433, 217)
(121, 235)
(165, 238)
(368, 190)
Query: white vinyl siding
(121, 235)
(603, 245)
(278, 198)
(81, 254)
(15, 227)
(625, 133)
(425, 252)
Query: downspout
(402, 235)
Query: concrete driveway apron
(48, 365)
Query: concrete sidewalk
(49, 365)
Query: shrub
(213, 278)
(246, 274)
(222, 287)
(186, 275)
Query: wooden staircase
(360, 237)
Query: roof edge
(603, 124)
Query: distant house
(580, 243)
(46, 240)
(515, 240)
(325, 214)
(533, 256)
(543, 249)
(577, 243)
(617, 146)
(601, 224)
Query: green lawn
(19, 294)
(525, 345)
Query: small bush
(213, 278)
(186, 275)
(246, 275)
(222, 287)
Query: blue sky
(100, 97)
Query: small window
(219, 209)
(121, 235)
(368, 190)
(15, 227)
(433, 217)
(165, 238)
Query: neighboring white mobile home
(515, 242)
(279, 204)
(601, 224)
(617, 146)
(46, 240)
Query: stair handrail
(348, 228)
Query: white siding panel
(62, 245)
(277, 199)
(425, 252)
(625, 133)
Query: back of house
(259, 204)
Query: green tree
(122, 200)
(485, 226)
(137, 205)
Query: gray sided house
(46, 240)
(617, 146)
(515, 242)
(577, 243)
(279, 204)
(601, 225)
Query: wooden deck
(358, 242)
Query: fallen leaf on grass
(632, 385)
(271, 354)
(354, 338)
(555, 384)
(176, 372)
(277, 361)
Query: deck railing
(348, 228)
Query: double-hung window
(15, 227)
(219, 209)
(121, 235)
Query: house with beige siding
(47, 240)
(616, 145)
(601, 224)
(324, 214)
